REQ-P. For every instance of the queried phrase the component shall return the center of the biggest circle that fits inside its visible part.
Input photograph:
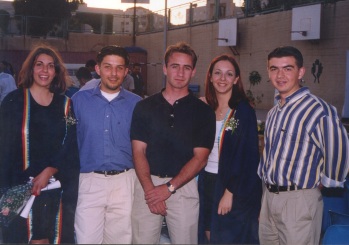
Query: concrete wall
(257, 36)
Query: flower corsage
(231, 124)
(70, 120)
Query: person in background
(306, 147)
(229, 187)
(91, 65)
(38, 139)
(107, 175)
(7, 82)
(172, 135)
(128, 83)
(8, 68)
(83, 75)
(138, 80)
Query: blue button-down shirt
(305, 144)
(104, 129)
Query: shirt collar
(295, 96)
(181, 99)
(97, 91)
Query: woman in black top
(37, 139)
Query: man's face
(285, 75)
(179, 70)
(137, 69)
(112, 71)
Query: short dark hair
(83, 72)
(287, 51)
(91, 63)
(180, 47)
(113, 50)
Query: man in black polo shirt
(172, 135)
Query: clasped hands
(156, 197)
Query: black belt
(277, 189)
(112, 172)
(163, 175)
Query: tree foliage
(43, 15)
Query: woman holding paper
(37, 139)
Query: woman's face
(43, 71)
(223, 77)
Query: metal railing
(194, 13)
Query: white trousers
(103, 213)
(182, 215)
(291, 217)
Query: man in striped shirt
(306, 147)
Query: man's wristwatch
(170, 188)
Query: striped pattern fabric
(305, 144)
(25, 129)
(26, 161)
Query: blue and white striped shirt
(305, 144)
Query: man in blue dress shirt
(107, 175)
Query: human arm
(239, 156)
(63, 145)
(41, 180)
(203, 139)
(226, 203)
(335, 149)
(187, 173)
(143, 174)
(11, 120)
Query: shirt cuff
(327, 182)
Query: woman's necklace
(220, 112)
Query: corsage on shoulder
(70, 120)
(231, 124)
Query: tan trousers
(103, 213)
(291, 217)
(182, 215)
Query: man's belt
(112, 172)
(277, 189)
(162, 175)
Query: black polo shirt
(171, 139)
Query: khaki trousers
(103, 213)
(291, 217)
(182, 215)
